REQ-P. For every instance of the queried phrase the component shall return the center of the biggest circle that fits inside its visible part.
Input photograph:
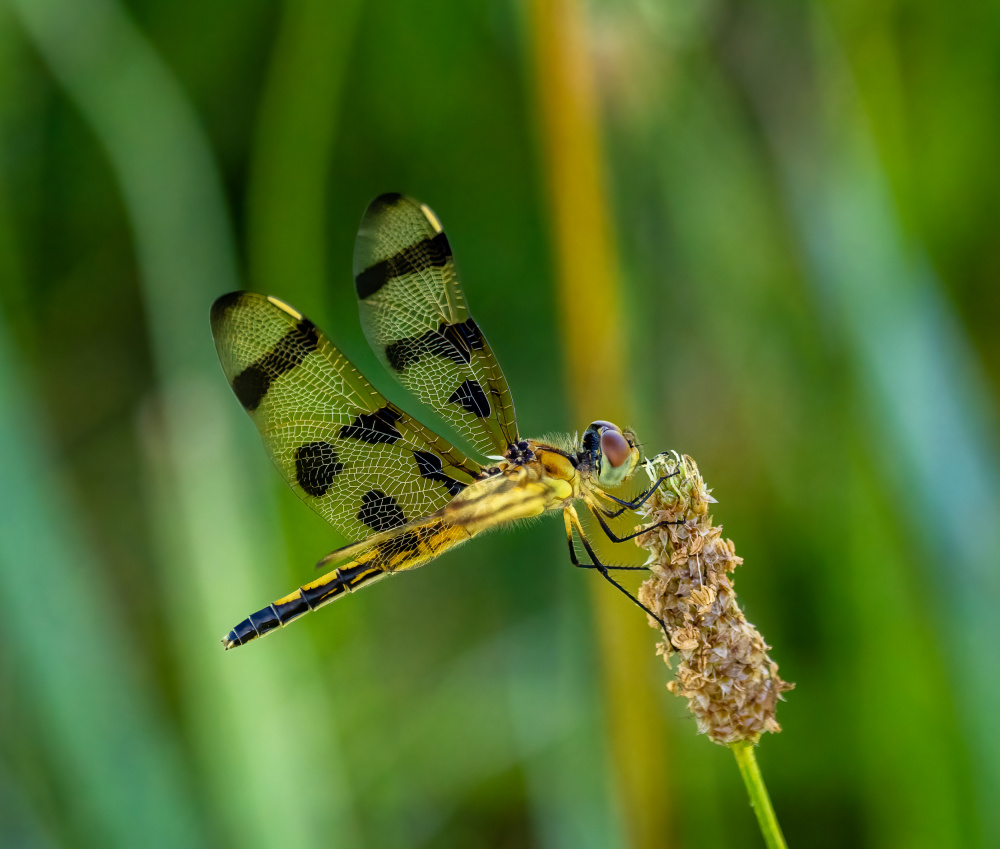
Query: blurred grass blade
(118, 765)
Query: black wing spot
(374, 428)
(380, 512)
(431, 467)
(222, 306)
(316, 465)
(466, 336)
(454, 342)
(471, 398)
(384, 200)
(252, 384)
(405, 543)
(432, 252)
(406, 352)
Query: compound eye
(601, 426)
(615, 447)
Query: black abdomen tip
(240, 635)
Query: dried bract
(730, 682)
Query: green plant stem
(759, 800)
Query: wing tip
(392, 199)
(386, 199)
(223, 305)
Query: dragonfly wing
(360, 462)
(414, 314)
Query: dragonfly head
(610, 453)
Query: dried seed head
(730, 682)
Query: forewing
(414, 314)
(360, 462)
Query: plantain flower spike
(725, 673)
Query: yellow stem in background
(588, 286)
(590, 304)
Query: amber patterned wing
(360, 462)
(414, 314)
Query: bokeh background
(765, 233)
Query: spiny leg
(636, 502)
(611, 535)
(574, 560)
(572, 521)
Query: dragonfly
(376, 474)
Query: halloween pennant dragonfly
(375, 473)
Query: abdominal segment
(361, 564)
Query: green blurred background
(801, 203)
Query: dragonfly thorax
(518, 452)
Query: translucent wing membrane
(414, 315)
(360, 462)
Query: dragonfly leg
(596, 511)
(572, 521)
(636, 502)
(575, 560)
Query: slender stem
(759, 800)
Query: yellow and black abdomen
(545, 482)
(366, 562)
(306, 598)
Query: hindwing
(360, 462)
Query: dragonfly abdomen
(309, 597)
(404, 548)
